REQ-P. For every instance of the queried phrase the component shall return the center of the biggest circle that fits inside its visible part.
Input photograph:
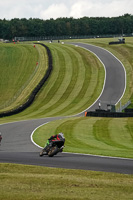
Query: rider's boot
(61, 149)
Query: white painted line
(31, 137)
(119, 158)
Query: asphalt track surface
(114, 85)
(17, 147)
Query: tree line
(93, 26)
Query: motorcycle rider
(57, 137)
(0, 137)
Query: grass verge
(19, 182)
(99, 136)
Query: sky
(46, 9)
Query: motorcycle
(0, 138)
(53, 148)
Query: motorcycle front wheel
(42, 153)
(53, 151)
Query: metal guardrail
(123, 107)
(63, 37)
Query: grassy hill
(20, 73)
(76, 81)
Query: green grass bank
(21, 68)
(75, 83)
(89, 135)
(18, 182)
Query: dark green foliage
(92, 26)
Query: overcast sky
(46, 9)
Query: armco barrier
(109, 114)
(36, 89)
(121, 41)
(128, 110)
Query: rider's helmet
(62, 135)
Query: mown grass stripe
(129, 126)
(70, 87)
(18, 62)
(102, 133)
(58, 78)
(120, 133)
(81, 85)
(71, 66)
(86, 95)
(86, 127)
(52, 85)
(66, 86)
(75, 84)
(63, 82)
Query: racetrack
(115, 80)
(17, 147)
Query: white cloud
(119, 7)
(81, 8)
(55, 11)
(46, 9)
(101, 8)
(22, 9)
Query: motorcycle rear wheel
(53, 151)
